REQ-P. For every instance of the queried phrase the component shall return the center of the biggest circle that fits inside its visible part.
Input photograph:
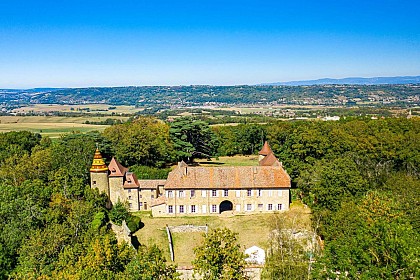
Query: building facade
(196, 190)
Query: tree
(145, 141)
(220, 257)
(327, 183)
(289, 256)
(371, 239)
(149, 264)
(119, 213)
(192, 139)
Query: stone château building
(197, 190)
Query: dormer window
(113, 170)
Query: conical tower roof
(98, 164)
(266, 150)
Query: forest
(359, 176)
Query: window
(192, 193)
(170, 209)
(213, 193)
(279, 206)
(259, 192)
(129, 190)
(192, 208)
(140, 204)
(214, 208)
(152, 196)
(181, 194)
(181, 208)
(249, 207)
(270, 207)
(226, 193)
(260, 206)
(94, 182)
(238, 193)
(130, 205)
(249, 192)
(280, 192)
(270, 193)
(140, 196)
(170, 194)
(203, 193)
(129, 197)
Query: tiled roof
(269, 160)
(266, 150)
(130, 181)
(151, 184)
(116, 169)
(98, 164)
(235, 177)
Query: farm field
(50, 125)
(86, 108)
(251, 229)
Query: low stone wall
(187, 273)
(122, 232)
(189, 228)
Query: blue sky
(128, 42)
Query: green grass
(251, 160)
(251, 229)
(49, 125)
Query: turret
(99, 174)
(265, 151)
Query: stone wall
(189, 228)
(207, 202)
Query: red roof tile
(266, 150)
(235, 177)
(116, 169)
(130, 181)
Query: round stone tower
(99, 174)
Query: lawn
(230, 161)
(252, 230)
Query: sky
(50, 43)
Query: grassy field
(251, 229)
(50, 125)
(237, 160)
(93, 108)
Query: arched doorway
(226, 205)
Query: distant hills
(402, 80)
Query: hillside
(155, 98)
(401, 80)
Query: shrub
(134, 223)
(99, 220)
(118, 213)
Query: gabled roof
(98, 164)
(270, 160)
(234, 177)
(266, 150)
(116, 169)
(130, 181)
